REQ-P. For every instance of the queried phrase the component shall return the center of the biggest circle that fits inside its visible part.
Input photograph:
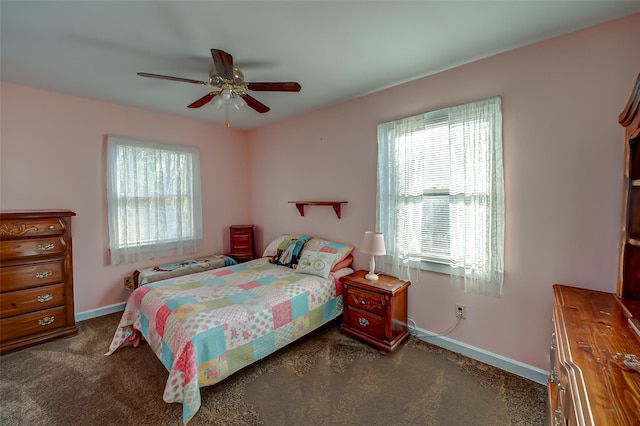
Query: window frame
(147, 247)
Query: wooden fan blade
(168, 77)
(289, 86)
(203, 100)
(223, 62)
(255, 104)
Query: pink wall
(52, 155)
(563, 152)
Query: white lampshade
(373, 244)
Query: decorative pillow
(344, 263)
(288, 256)
(341, 250)
(270, 250)
(316, 263)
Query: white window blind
(154, 199)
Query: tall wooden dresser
(36, 278)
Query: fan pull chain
(226, 121)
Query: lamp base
(371, 277)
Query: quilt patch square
(211, 371)
(264, 345)
(175, 303)
(209, 344)
(240, 357)
(299, 305)
(282, 314)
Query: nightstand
(241, 241)
(375, 312)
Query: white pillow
(316, 263)
(270, 250)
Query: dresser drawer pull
(44, 274)
(52, 227)
(46, 247)
(46, 321)
(363, 322)
(362, 302)
(44, 298)
(558, 418)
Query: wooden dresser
(595, 357)
(375, 311)
(36, 278)
(241, 241)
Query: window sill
(440, 268)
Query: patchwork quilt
(206, 326)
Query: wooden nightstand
(375, 311)
(241, 239)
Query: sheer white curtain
(440, 195)
(154, 199)
(476, 207)
(399, 197)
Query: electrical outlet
(461, 311)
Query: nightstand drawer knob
(363, 322)
(362, 302)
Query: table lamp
(373, 244)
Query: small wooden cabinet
(375, 311)
(241, 241)
(595, 360)
(36, 278)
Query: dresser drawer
(30, 228)
(32, 275)
(13, 249)
(368, 301)
(366, 322)
(30, 300)
(26, 324)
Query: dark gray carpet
(324, 379)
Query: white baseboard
(105, 310)
(512, 366)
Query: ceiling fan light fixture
(217, 102)
(238, 102)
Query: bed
(204, 327)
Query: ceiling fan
(230, 85)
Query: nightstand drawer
(365, 322)
(368, 301)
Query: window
(154, 202)
(440, 199)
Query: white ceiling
(336, 50)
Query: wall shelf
(335, 204)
